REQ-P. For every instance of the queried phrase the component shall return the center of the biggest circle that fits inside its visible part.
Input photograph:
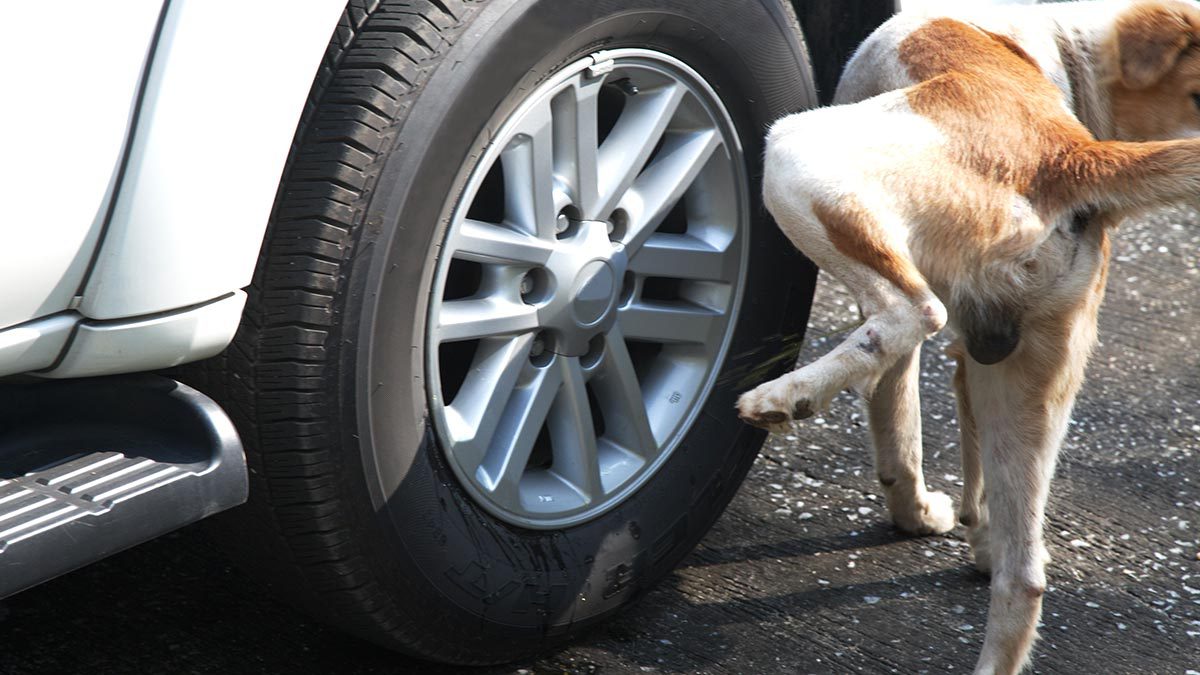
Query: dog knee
(1026, 584)
(933, 316)
(1026, 589)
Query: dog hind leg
(850, 242)
(972, 512)
(895, 416)
(1021, 407)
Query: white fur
(873, 147)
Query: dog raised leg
(846, 240)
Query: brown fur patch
(1005, 124)
(1156, 47)
(1150, 38)
(856, 234)
(1002, 117)
(1006, 133)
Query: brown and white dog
(971, 176)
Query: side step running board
(91, 467)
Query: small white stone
(871, 599)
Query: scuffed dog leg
(895, 415)
(842, 223)
(809, 390)
(858, 363)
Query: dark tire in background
(357, 512)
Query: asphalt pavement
(803, 574)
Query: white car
(467, 292)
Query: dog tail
(1126, 177)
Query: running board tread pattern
(91, 467)
(88, 485)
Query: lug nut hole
(567, 223)
(594, 353)
(534, 286)
(618, 225)
(540, 353)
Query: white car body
(128, 234)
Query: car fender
(226, 87)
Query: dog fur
(970, 175)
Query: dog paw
(981, 547)
(763, 408)
(934, 514)
(774, 404)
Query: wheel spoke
(476, 318)
(627, 147)
(682, 256)
(488, 243)
(517, 432)
(575, 142)
(529, 174)
(620, 397)
(573, 435)
(475, 412)
(664, 183)
(626, 136)
(668, 322)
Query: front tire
(360, 510)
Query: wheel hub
(594, 293)
(587, 288)
(586, 270)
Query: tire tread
(298, 530)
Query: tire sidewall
(483, 584)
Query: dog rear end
(973, 189)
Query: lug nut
(562, 223)
(526, 284)
(539, 352)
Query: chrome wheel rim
(587, 288)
